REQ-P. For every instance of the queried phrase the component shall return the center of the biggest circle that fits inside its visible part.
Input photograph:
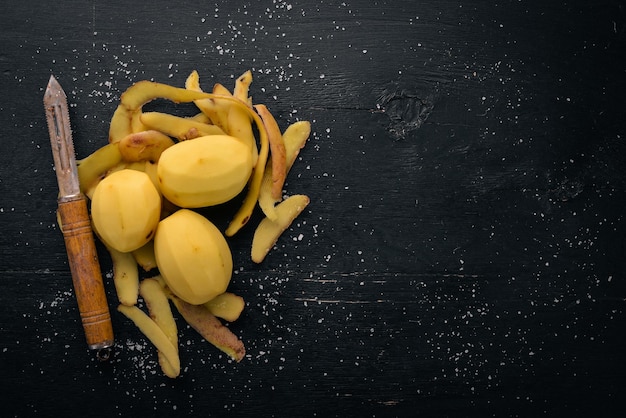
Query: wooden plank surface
(463, 252)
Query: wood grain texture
(86, 274)
(463, 251)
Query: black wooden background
(463, 254)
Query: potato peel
(144, 146)
(277, 150)
(211, 328)
(92, 168)
(160, 311)
(125, 276)
(294, 139)
(154, 333)
(227, 306)
(144, 256)
(217, 114)
(126, 118)
(267, 232)
(178, 127)
(242, 86)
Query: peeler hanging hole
(104, 354)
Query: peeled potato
(193, 257)
(125, 208)
(204, 171)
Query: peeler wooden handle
(86, 273)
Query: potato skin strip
(159, 309)
(245, 211)
(152, 331)
(294, 139)
(267, 232)
(210, 328)
(126, 118)
(277, 150)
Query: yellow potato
(268, 231)
(126, 208)
(194, 261)
(204, 171)
(193, 257)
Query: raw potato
(227, 306)
(160, 311)
(154, 333)
(207, 325)
(204, 171)
(126, 208)
(193, 256)
(268, 231)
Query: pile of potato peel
(157, 166)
